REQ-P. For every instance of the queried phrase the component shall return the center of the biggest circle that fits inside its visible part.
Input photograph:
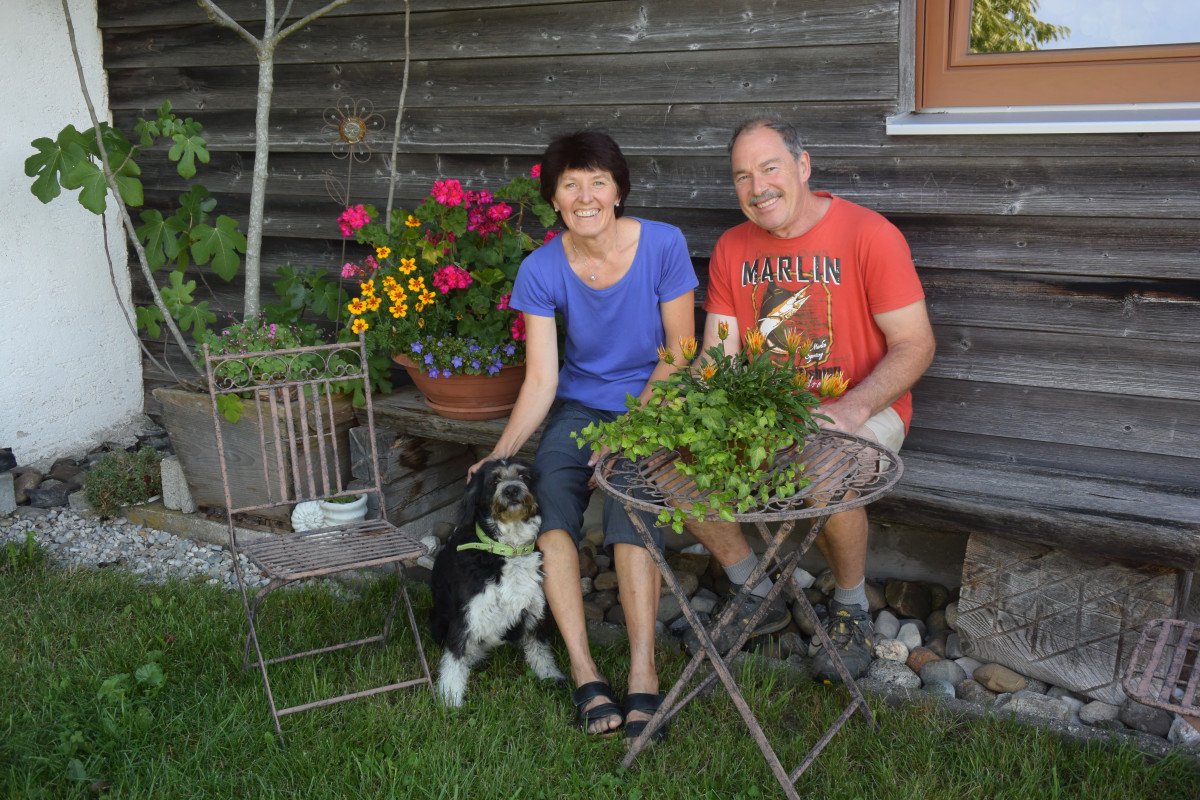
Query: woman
(624, 287)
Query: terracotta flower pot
(467, 397)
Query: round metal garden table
(843, 472)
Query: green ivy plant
(186, 236)
(727, 416)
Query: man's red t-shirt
(826, 284)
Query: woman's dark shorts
(563, 487)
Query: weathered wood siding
(1063, 272)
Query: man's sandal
(648, 704)
(586, 694)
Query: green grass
(116, 688)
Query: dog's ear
(469, 504)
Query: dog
(487, 579)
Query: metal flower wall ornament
(351, 124)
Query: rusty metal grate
(1161, 671)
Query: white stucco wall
(70, 372)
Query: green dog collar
(492, 546)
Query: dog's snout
(512, 492)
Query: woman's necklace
(587, 261)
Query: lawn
(115, 688)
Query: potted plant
(727, 416)
(435, 284)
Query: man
(841, 275)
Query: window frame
(949, 76)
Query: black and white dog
(487, 579)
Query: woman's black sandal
(648, 704)
(589, 692)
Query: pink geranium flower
(448, 193)
(536, 172)
(352, 219)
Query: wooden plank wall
(1063, 272)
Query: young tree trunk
(273, 34)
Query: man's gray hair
(785, 129)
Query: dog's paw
(451, 696)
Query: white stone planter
(345, 513)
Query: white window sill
(1133, 118)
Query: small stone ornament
(308, 516)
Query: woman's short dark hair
(584, 150)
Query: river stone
(918, 657)
(953, 646)
(1184, 734)
(999, 678)
(893, 674)
(605, 581)
(939, 595)
(687, 581)
(7, 459)
(825, 583)
(876, 598)
(939, 688)
(1034, 685)
(975, 692)
(604, 600)
(703, 601)
(50, 494)
(910, 634)
(942, 670)
(891, 650)
(1035, 705)
(909, 598)
(952, 615)
(937, 644)
(23, 481)
(1098, 711)
(968, 664)
(886, 624)
(1145, 718)
(935, 623)
(587, 564)
(691, 563)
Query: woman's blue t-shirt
(613, 334)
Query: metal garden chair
(300, 460)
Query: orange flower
(708, 371)
(755, 342)
(412, 221)
(832, 385)
(665, 355)
(723, 330)
(689, 346)
(796, 344)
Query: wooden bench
(1062, 569)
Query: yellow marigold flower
(427, 297)
(755, 342)
(368, 288)
(399, 310)
(357, 306)
(689, 346)
(421, 323)
(412, 221)
(359, 325)
(708, 372)
(416, 284)
(723, 330)
(389, 284)
(407, 265)
(382, 252)
(373, 304)
(832, 385)
(665, 355)
(397, 295)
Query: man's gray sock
(739, 572)
(856, 596)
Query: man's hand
(471, 470)
(593, 461)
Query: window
(952, 72)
